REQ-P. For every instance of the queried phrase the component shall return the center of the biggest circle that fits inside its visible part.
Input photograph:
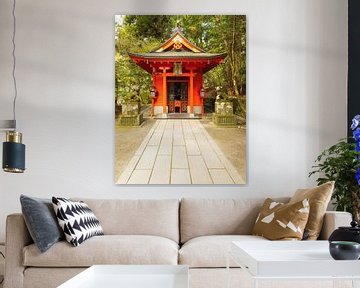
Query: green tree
(155, 27)
(228, 34)
(131, 82)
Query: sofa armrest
(332, 220)
(17, 237)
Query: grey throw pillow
(41, 221)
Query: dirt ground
(127, 141)
(232, 141)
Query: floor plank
(161, 171)
(147, 159)
(220, 176)
(140, 177)
(180, 176)
(198, 171)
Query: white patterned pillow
(77, 220)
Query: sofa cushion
(107, 249)
(77, 220)
(158, 217)
(319, 198)
(279, 221)
(211, 251)
(41, 221)
(201, 217)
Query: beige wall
(297, 63)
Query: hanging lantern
(202, 92)
(153, 92)
(177, 68)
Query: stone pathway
(179, 152)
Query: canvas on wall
(180, 99)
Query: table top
(131, 276)
(291, 259)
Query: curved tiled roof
(178, 54)
(177, 34)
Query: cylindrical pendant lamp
(13, 153)
(13, 150)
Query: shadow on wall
(328, 104)
(74, 34)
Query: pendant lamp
(13, 160)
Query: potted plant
(341, 163)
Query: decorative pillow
(319, 198)
(279, 221)
(77, 220)
(41, 222)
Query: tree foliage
(213, 33)
(131, 82)
(155, 27)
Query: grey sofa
(195, 232)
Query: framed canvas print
(180, 99)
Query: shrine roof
(177, 55)
(178, 37)
(177, 48)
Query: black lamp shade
(13, 157)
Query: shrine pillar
(157, 102)
(164, 88)
(191, 96)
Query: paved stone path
(179, 152)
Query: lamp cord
(14, 61)
(2, 280)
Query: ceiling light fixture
(13, 149)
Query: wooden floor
(179, 152)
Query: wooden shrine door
(177, 91)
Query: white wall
(297, 62)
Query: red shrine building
(177, 68)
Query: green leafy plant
(341, 163)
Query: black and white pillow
(77, 220)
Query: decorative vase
(345, 233)
(344, 250)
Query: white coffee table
(285, 260)
(131, 276)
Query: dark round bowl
(344, 250)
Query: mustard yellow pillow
(319, 198)
(279, 221)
